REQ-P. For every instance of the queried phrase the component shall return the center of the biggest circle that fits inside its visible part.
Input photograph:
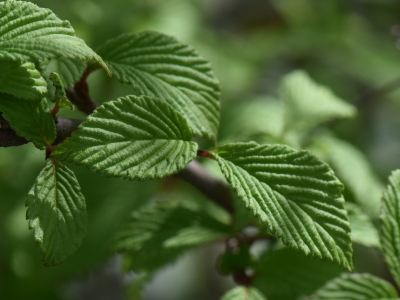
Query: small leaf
(294, 193)
(132, 137)
(159, 65)
(59, 95)
(390, 225)
(69, 70)
(356, 287)
(30, 119)
(308, 104)
(243, 293)
(57, 213)
(28, 32)
(286, 275)
(21, 80)
(153, 236)
(363, 231)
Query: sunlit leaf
(28, 32)
(159, 65)
(132, 137)
(294, 193)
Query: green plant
(293, 199)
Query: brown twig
(64, 128)
(213, 188)
(79, 94)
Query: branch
(377, 93)
(79, 94)
(64, 128)
(213, 188)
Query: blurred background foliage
(350, 46)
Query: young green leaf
(69, 70)
(243, 293)
(363, 231)
(356, 287)
(28, 32)
(57, 213)
(296, 194)
(59, 94)
(390, 225)
(308, 104)
(30, 119)
(158, 234)
(159, 65)
(132, 137)
(286, 275)
(21, 80)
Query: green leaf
(390, 225)
(158, 234)
(308, 104)
(60, 96)
(234, 261)
(30, 119)
(28, 32)
(356, 287)
(132, 137)
(286, 275)
(296, 194)
(363, 231)
(57, 213)
(69, 70)
(159, 65)
(354, 170)
(243, 293)
(21, 80)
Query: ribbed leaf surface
(159, 65)
(60, 97)
(297, 195)
(21, 80)
(28, 32)
(132, 137)
(363, 231)
(390, 225)
(70, 70)
(29, 119)
(356, 287)
(286, 275)
(308, 104)
(158, 234)
(57, 213)
(243, 293)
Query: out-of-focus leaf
(363, 231)
(285, 274)
(308, 104)
(356, 287)
(158, 234)
(243, 293)
(353, 168)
